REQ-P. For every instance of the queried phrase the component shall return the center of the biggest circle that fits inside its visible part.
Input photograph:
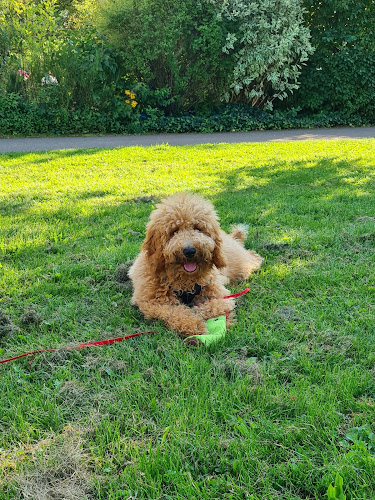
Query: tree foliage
(169, 44)
(340, 75)
(197, 65)
(211, 50)
(52, 56)
(31, 30)
(268, 42)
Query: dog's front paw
(195, 326)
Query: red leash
(237, 294)
(102, 342)
(79, 346)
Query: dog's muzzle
(190, 266)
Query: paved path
(48, 143)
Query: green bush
(33, 31)
(58, 72)
(340, 75)
(86, 71)
(170, 46)
(242, 118)
(170, 66)
(21, 117)
(203, 51)
(18, 116)
(268, 42)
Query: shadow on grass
(319, 189)
(51, 155)
(325, 175)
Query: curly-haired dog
(185, 262)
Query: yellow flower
(127, 101)
(134, 103)
(127, 92)
(132, 96)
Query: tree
(268, 41)
(210, 50)
(340, 75)
(169, 46)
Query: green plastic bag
(216, 327)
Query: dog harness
(187, 297)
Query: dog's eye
(197, 228)
(175, 231)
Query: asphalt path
(30, 144)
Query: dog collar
(188, 297)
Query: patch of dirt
(48, 362)
(121, 275)
(118, 239)
(149, 373)
(367, 237)
(249, 367)
(52, 249)
(6, 326)
(134, 233)
(143, 199)
(61, 469)
(275, 247)
(365, 218)
(74, 394)
(299, 252)
(31, 317)
(242, 366)
(78, 257)
(105, 365)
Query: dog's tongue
(190, 266)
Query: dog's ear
(153, 248)
(149, 245)
(218, 255)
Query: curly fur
(162, 273)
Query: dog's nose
(189, 252)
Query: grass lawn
(274, 412)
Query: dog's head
(183, 238)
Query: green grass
(268, 414)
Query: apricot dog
(185, 262)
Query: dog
(185, 262)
